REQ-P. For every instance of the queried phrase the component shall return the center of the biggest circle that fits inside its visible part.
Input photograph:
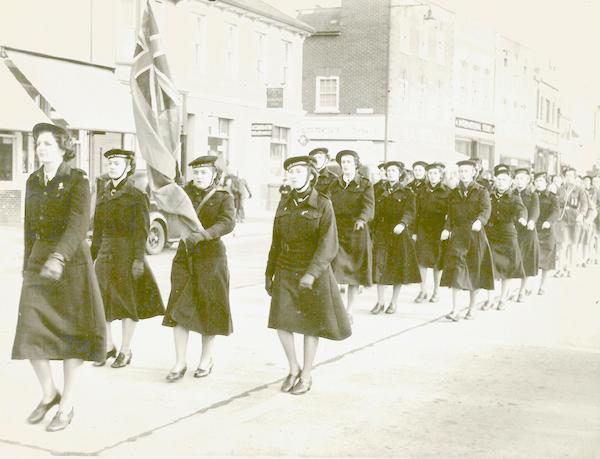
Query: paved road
(519, 383)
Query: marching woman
(60, 310)
(304, 296)
(507, 208)
(199, 299)
(468, 262)
(549, 212)
(432, 208)
(589, 226)
(394, 258)
(128, 288)
(321, 157)
(354, 205)
(419, 172)
(527, 234)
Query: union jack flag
(156, 113)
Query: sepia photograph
(300, 228)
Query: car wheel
(156, 238)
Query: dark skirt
(125, 297)
(352, 264)
(430, 250)
(548, 254)
(506, 253)
(468, 263)
(61, 319)
(530, 251)
(395, 260)
(199, 299)
(316, 312)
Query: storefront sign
(474, 125)
(274, 97)
(261, 130)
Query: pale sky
(566, 31)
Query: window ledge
(326, 110)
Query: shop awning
(85, 96)
(19, 112)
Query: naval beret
(436, 165)
(522, 170)
(501, 169)
(48, 127)
(467, 162)
(299, 161)
(127, 154)
(381, 165)
(320, 150)
(588, 176)
(540, 174)
(398, 164)
(343, 153)
(208, 160)
(570, 168)
(419, 163)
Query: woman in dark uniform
(549, 212)
(528, 237)
(419, 172)
(199, 299)
(468, 262)
(60, 310)
(507, 208)
(354, 205)
(304, 295)
(432, 208)
(395, 261)
(121, 222)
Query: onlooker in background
(241, 192)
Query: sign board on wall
(274, 97)
(474, 125)
(261, 130)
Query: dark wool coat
(305, 241)
(326, 177)
(351, 203)
(468, 264)
(199, 299)
(549, 212)
(120, 230)
(528, 239)
(432, 208)
(502, 234)
(394, 257)
(59, 319)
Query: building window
(279, 149)
(218, 138)
(6, 158)
(126, 31)
(404, 28)
(548, 111)
(475, 86)
(403, 86)
(231, 57)
(261, 56)
(328, 92)
(286, 48)
(200, 41)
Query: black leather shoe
(377, 308)
(289, 382)
(122, 361)
(109, 354)
(60, 421)
(421, 297)
(200, 373)
(40, 411)
(301, 386)
(434, 298)
(176, 375)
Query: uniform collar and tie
(463, 190)
(345, 184)
(63, 170)
(310, 198)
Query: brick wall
(10, 207)
(358, 56)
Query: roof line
(285, 19)
(57, 58)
